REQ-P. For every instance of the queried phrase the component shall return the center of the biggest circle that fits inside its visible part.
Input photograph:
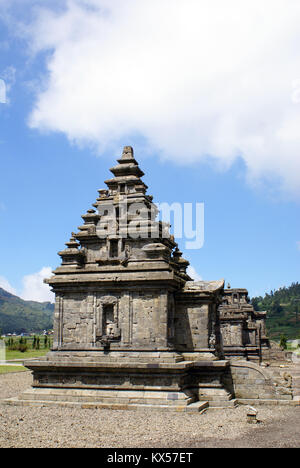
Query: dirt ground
(70, 427)
(284, 433)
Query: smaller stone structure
(242, 329)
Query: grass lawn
(289, 347)
(31, 353)
(8, 369)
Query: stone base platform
(189, 386)
(95, 399)
(249, 353)
(115, 355)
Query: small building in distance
(243, 330)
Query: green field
(290, 348)
(10, 369)
(31, 353)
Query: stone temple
(132, 329)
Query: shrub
(283, 342)
(22, 347)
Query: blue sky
(56, 148)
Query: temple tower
(130, 326)
(115, 287)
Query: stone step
(212, 398)
(193, 409)
(268, 402)
(108, 397)
(222, 404)
(296, 383)
(214, 394)
(197, 406)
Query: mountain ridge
(20, 316)
(283, 311)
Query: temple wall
(150, 317)
(135, 319)
(96, 251)
(76, 322)
(232, 334)
(192, 326)
(248, 381)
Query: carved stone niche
(107, 328)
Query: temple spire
(128, 154)
(127, 174)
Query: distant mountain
(19, 316)
(283, 311)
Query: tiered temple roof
(122, 231)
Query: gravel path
(68, 427)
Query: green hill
(19, 316)
(283, 311)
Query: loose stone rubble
(131, 328)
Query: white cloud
(193, 273)
(193, 78)
(2, 91)
(4, 284)
(34, 289)
(7, 80)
